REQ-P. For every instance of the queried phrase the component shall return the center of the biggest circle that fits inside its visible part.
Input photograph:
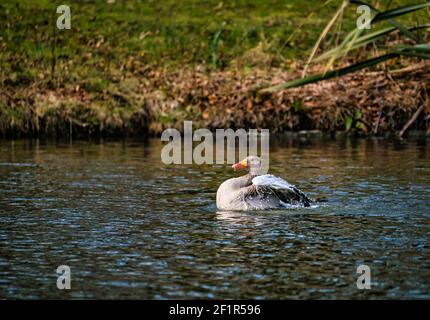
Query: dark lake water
(130, 227)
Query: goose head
(252, 164)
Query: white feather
(271, 181)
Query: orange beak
(240, 165)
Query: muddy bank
(367, 102)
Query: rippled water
(130, 227)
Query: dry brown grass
(373, 103)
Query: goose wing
(284, 191)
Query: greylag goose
(254, 191)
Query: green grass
(162, 33)
(156, 32)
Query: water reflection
(132, 227)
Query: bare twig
(378, 121)
(411, 120)
(375, 129)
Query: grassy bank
(132, 67)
